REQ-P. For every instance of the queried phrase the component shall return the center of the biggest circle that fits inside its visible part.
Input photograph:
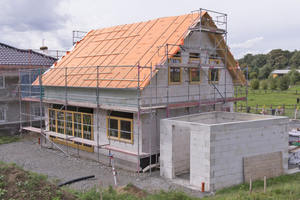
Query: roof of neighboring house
(14, 56)
(283, 71)
(119, 50)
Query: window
(214, 74)
(72, 123)
(195, 75)
(37, 112)
(2, 83)
(2, 115)
(175, 72)
(120, 126)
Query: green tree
(253, 75)
(264, 84)
(265, 71)
(294, 76)
(254, 84)
(272, 83)
(283, 82)
(277, 59)
(295, 60)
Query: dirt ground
(59, 168)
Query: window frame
(190, 72)
(180, 72)
(210, 71)
(119, 129)
(71, 143)
(3, 82)
(38, 116)
(4, 115)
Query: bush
(272, 83)
(254, 84)
(283, 82)
(264, 84)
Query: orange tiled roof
(124, 46)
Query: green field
(269, 98)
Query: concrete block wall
(231, 142)
(200, 155)
(217, 149)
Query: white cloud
(248, 44)
(241, 55)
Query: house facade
(111, 91)
(12, 61)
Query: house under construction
(109, 93)
(12, 60)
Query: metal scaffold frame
(136, 105)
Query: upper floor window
(214, 74)
(2, 83)
(175, 72)
(195, 74)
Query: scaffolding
(139, 102)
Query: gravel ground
(60, 169)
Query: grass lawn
(282, 187)
(267, 98)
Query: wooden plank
(126, 151)
(258, 166)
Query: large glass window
(175, 72)
(72, 123)
(120, 127)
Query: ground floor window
(37, 112)
(72, 123)
(2, 83)
(2, 115)
(120, 126)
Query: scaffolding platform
(85, 141)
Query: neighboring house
(116, 84)
(12, 60)
(279, 72)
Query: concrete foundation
(212, 145)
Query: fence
(240, 92)
(284, 110)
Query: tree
(294, 76)
(265, 71)
(254, 84)
(264, 84)
(295, 60)
(272, 83)
(253, 75)
(277, 59)
(283, 82)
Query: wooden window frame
(71, 143)
(190, 73)
(209, 72)
(2, 85)
(119, 129)
(169, 72)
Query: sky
(255, 26)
